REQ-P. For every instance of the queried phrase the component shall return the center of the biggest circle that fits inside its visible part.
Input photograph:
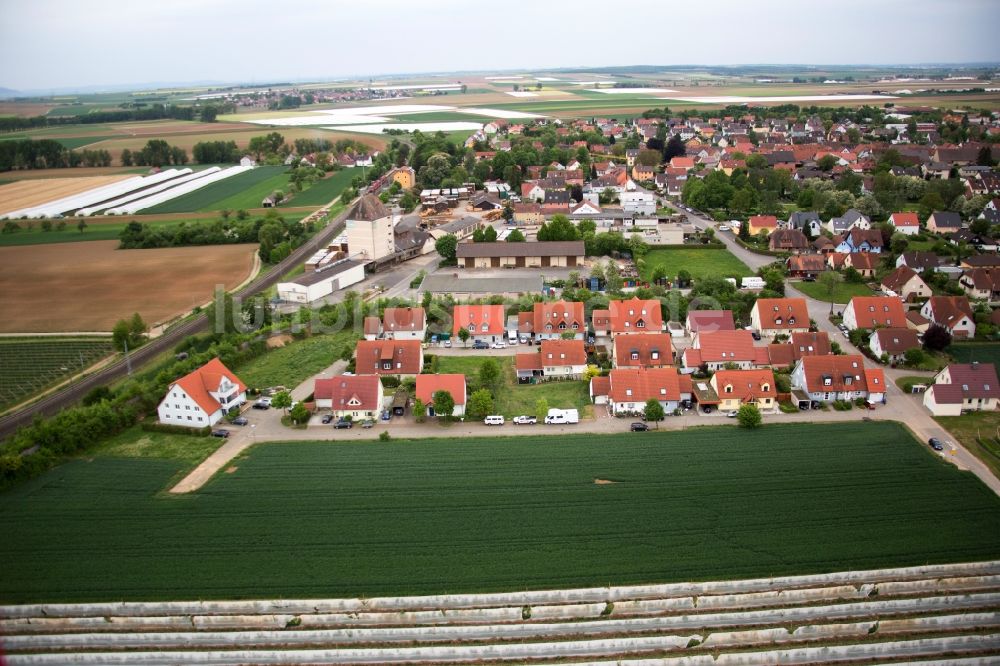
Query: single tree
(541, 409)
(419, 410)
(447, 246)
(936, 338)
(444, 404)
(515, 236)
(81, 225)
(654, 411)
(490, 235)
(489, 373)
(282, 400)
(464, 335)
(480, 404)
(749, 416)
(299, 414)
(828, 281)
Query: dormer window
(765, 387)
(634, 356)
(562, 326)
(778, 321)
(827, 380)
(548, 327)
(575, 326)
(728, 389)
(472, 328)
(663, 391)
(791, 321)
(485, 327)
(655, 355)
(628, 391)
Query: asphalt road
(69, 395)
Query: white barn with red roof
(202, 397)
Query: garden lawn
(844, 292)
(323, 519)
(292, 364)
(979, 432)
(699, 261)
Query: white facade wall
(374, 239)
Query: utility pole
(128, 361)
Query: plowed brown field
(88, 286)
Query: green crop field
(699, 261)
(93, 232)
(245, 190)
(297, 361)
(984, 352)
(324, 191)
(321, 519)
(842, 293)
(30, 365)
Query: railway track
(73, 393)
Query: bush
(787, 408)
(175, 429)
(842, 405)
(749, 416)
(390, 381)
(384, 436)
(859, 402)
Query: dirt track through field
(88, 286)
(25, 193)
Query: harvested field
(25, 193)
(24, 109)
(89, 286)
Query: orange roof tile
(198, 383)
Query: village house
(849, 220)
(905, 283)
(865, 263)
(708, 320)
(859, 240)
(805, 265)
(942, 222)
(625, 317)
(779, 316)
(874, 311)
(649, 350)
(720, 349)
(905, 223)
(918, 261)
(428, 385)
(758, 223)
(404, 323)
(483, 322)
(981, 283)
(893, 342)
(786, 354)
(736, 388)
(626, 390)
(806, 221)
(202, 397)
(354, 396)
(963, 387)
(553, 320)
(827, 378)
(557, 359)
(372, 328)
(389, 357)
(788, 240)
(952, 312)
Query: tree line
(154, 112)
(47, 154)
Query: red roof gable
(829, 374)
(710, 320)
(904, 220)
(402, 356)
(428, 385)
(198, 384)
(357, 392)
(782, 313)
(403, 319)
(563, 352)
(725, 346)
(640, 350)
(558, 316)
(872, 311)
(747, 385)
(479, 319)
(641, 384)
(635, 316)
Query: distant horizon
(64, 45)
(98, 88)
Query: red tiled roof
(198, 383)
(872, 311)
(948, 311)
(782, 313)
(897, 279)
(600, 385)
(710, 320)
(896, 340)
(635, 316)
(811, 344)
(763, 222)
(476, 316)
(428, 385)
(563, 352)
(748, 385)
(845, 373)
(780, 355)
(558, 316)
(725, 346)
(601, 319)
(641, 384)
(371, 325)
(968, 380)
(344, 390)
(863, 261)
(904, 220)
(371, 354)
(643, 347)
(403, 319)
(528, 361)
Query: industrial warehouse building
(521, 255)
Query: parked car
(525, 420)
(480, 344)
(327, 419)
(367, 423)
(447, 343)
(639, 427)
(523, 339)
(221, 432)
(723, 227)
(265, 401)
(499, 344)
(936, 444)
(386, 415)
(732, 413)
(494, 419)
(755, 335)
(707, 409)
(261, 405)
(240, 421)
(343, 423)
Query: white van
(493, 420)
(558, 416)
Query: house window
(827, 381)
(765, 388)
(655, 355)
(728, 389)
(635, 356)
(640, 324)
(628, 391)
(777, 321)
(575, 326)
(562, 326)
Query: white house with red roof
(428, 385)
(745, 387)
(775, 316)
(357, 396)
(625, 317)
(718, 349)
(483, 322)
(905, 223)
(551, 320)
(626, 390)
(874, 311)
(832, 377)
(952, 312)
(202, 397)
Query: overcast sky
(83, 43)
